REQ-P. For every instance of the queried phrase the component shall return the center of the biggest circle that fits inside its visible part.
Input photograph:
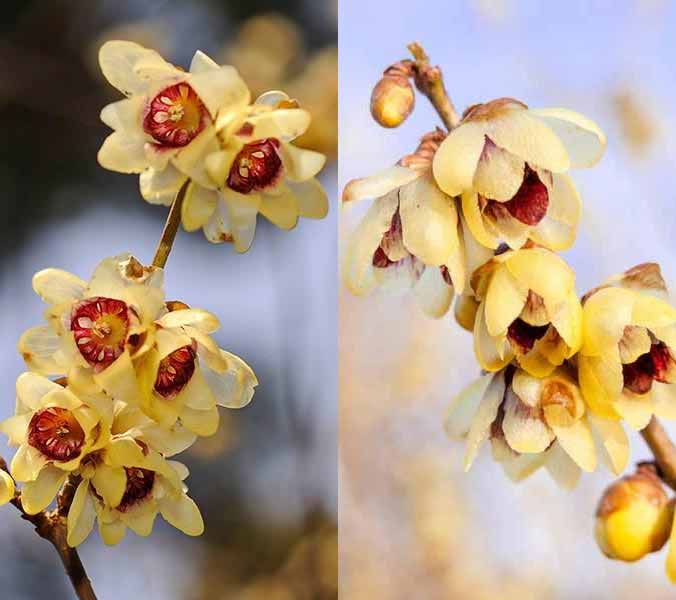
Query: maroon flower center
(100, 326)
(175, 371)
(652, 366)
(524, 335)
(256, 167)
(175, 116)
(56, 433)
(530, 203)
(445, 273)
(391, 237)
(139, 486)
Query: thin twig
(170, 228)
(663, 449)
(430, 82)
(52, 527)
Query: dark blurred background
(266, 482)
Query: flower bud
(633, 517)
(392, 100)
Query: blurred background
(266, 482)
(412, 525)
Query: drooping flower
(534, 422)
(508, 162)
(166, 126)
(126, 486)
(528, 310)
(55, 429)
(634, 517)
(627, 361)
(186, 376)
(96, 329)
(258, 170)
(7, 488)
(411, 236)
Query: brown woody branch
(170, 228)
(51, 526)
(663, 450)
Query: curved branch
(663, 449)
(170, 228)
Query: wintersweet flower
(166, 125)
(528, 310)
(626, 362)
(128, 489)
(185, 375)
(7, 488)
(534, 422)
(257, 169)
(55, 429)
(508, 162)
(411, 236)
(96, 329)
(634, 517)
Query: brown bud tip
(392, 100)
(174, 305)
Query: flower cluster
(198, 131)
(119, 382)
(479, 213)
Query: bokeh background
(266, 482)
(412, 525)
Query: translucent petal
(191, 317)
(38, 346)
(544, 272)
(487, 412)
(7, 488)
(429, 221)
(492, 353)
(110, 483)
(125, 115)
(313, 203)
(605, 315)
(31, 388)
(499, 174)
(613, 441)
(379, 184)
(505, 300)
(301, 164)
(123, 153)
(242, 211)
(524, 429)
(456, 160)
(220, 88)
(635, 410)
(285, 124)
(566, 317)
(562, 468)
(464, 407)
(578, 443)
(433, 294)
(601, 383)
(39, 494)
(182, 513)
(161, 187)
(201, 422)
(281, 209)
(55, 286)
(81, 515)
(112, 533)
(583, 139)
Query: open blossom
(96, 329)
(257, 169)
(126, 484)
(508, 162)
(528, 310)
(534, 422)
(411, 236)
(54, 429)
(118, 332)
(185, 376)
(627, 366)
(166, 125)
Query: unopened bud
(633, 517)
(393, 99)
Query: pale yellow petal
(605, 315)
(480, 428)
(578, 443)
(505, 300)
(112, 533)
(123, 153)
(281, 209)
(583, 139)
(491, 353)
(81, 515)
(544, 272)
(182, 513)
(7, 487)
(635, 410)
(499, 174)
(456, 160)
(613, 441)
(464, 407)
(161, 187)
(562, 468)
(55, 286)
(301, 164)
(219, 89)
(38, 347)
(433, 293)
(39, 494)
(601, 383)
(110, 483)
(524, 428)
(379, 184)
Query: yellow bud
(392, 100)
(633, 517)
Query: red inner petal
(139, 486)
(175, 116)
(175, 372)
(56, 433)
(257, 166)
(530, 203)
(524, 335)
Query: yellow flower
(55, 429)
(534, 422)
(7, 487)
(126, 488)
(96, 329)
(634, 517)
(186, 376)
(411, 236)
(166, 125)
(508, 162)
(626, 362)
(258, 170)
(528, 310)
